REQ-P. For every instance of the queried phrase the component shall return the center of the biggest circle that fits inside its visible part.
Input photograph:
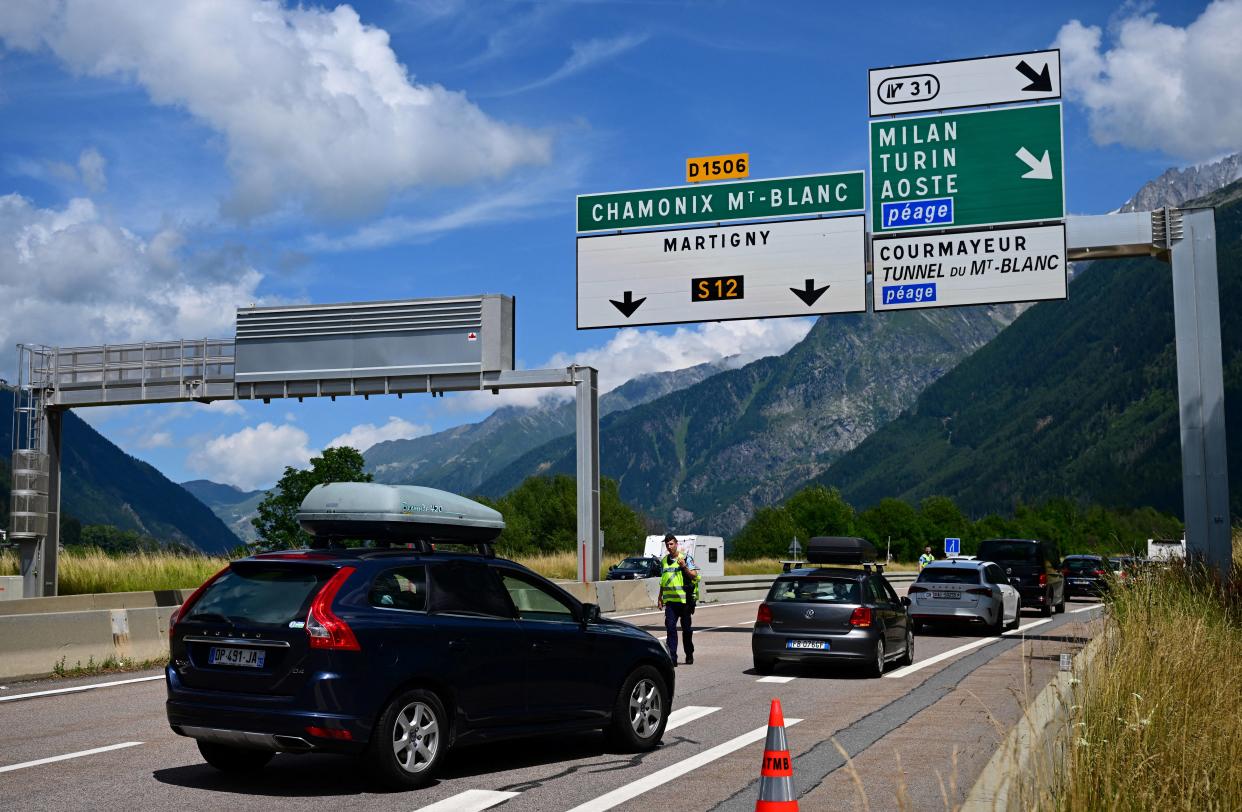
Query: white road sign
(1032, 76)
(783, 268)
(969, 268)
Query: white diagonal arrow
(1041, 169)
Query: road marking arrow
(810, 294)
(629, 304)
(1041, 169)
(1041, 82)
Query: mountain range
(1075, 399)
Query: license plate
(248, 657)
(948, 596)
(1080, 581)
(818, 645)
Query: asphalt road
(915, 739)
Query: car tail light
(1065, 572)
(328, 733)
(987, 593)
(861, 617)
(184, 608)
(1100, 573)
(1043, 579)
(914, 590)
(764, 615)
(323, 627)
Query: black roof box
(839, 550)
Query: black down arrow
(1040, 82)
(810, 294)
(629, 305)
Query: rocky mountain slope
(704, 457)
(234, 506)
(1176, 186)
(1075, 399)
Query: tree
(541, 515)
(766, 535)
(276, 522)
(821, 511)
(893, 519)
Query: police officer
(679, 588)
(926, 558)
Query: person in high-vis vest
(679, 590)
(926, 558)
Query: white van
(708, 551)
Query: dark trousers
(675, 613)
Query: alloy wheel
(416, 737)
(646, 708)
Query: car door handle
(459, 645)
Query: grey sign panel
(468, 334)
(1031, 76)
(762, 270)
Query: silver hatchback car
(965, 591)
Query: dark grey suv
(1033, 567)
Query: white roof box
(399, 513)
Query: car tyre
(228, 759)
(409, 741)
(875, 668)
(641, 711)
(998, 628)
(1045, 610)
(1061, 605)
(764, 665)
(1017, 618)
(907, 657)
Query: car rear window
(815, 590)
(261, 595)
(1083, 564)
(1009, 551)
(949, 575)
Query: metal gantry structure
(52, 380)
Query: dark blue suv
(398, 655)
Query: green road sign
(721, 202)
(967, 169)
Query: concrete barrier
(32, 645)
(105, 600)
(10, 587)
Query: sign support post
(586, 389)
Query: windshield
(1084, 564)
(263, 595)
(949, 575)
(1023, 551)
(633, 564)
(818, 590)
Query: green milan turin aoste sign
(722, 202)
(977, 168)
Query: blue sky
(162, 164)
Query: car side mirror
(613, 567)
(590, 613)
(905, 601)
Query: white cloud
(585, 55)
(91, 165)
(157, 439)
(254, 457)
(230, 408)
(1160, 87)
(313, 105)
(71, 277)
(635, 351)
(363, 436)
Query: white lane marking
(699, 606)
(635, 788)
(472, 800)
(77, 688)
(953, 652)
(781, 680)
(79, 754)
(1087, 608)
(686, 715)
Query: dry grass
(1156, 720)
(92, 571)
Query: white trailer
(708, 551)
(1166, 549)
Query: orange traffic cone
(776, 791)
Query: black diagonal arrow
(810, 294)
(1041, 82)
(629, 305)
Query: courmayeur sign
(745, 200)
(963, 169)
(968, 268)
(1032, 76)
(782, 268)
